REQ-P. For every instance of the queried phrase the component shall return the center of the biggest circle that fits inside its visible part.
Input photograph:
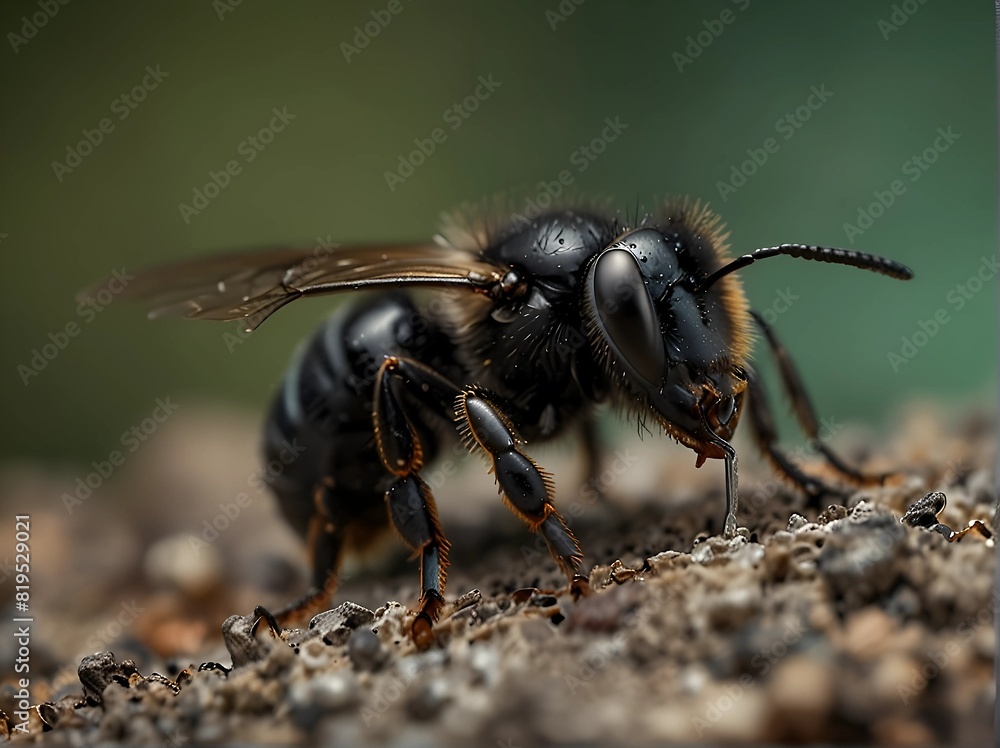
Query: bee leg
(767, 438)
(805, 414)
(527, 490)
(414, 515)
(409, 500)
(325, 543)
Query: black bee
(535, 322)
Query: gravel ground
(835, 623)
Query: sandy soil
(841, 625)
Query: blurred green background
(892, 87)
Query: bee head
(670, 322)
(670, 348)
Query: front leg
(527, 491)
(804, 412)
(766, 436)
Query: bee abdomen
(320, 428)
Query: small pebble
(170, 562)
(428, 698)
(336, 625)
(923, 512)
(802, 693)
(365, 650)
(867, 631)
(796, 522)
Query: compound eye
(625, 314)
(657, 258)
(725, 409)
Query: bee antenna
(862, 260)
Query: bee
(535, 322)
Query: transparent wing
(253, 285)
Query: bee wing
(253, 285)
